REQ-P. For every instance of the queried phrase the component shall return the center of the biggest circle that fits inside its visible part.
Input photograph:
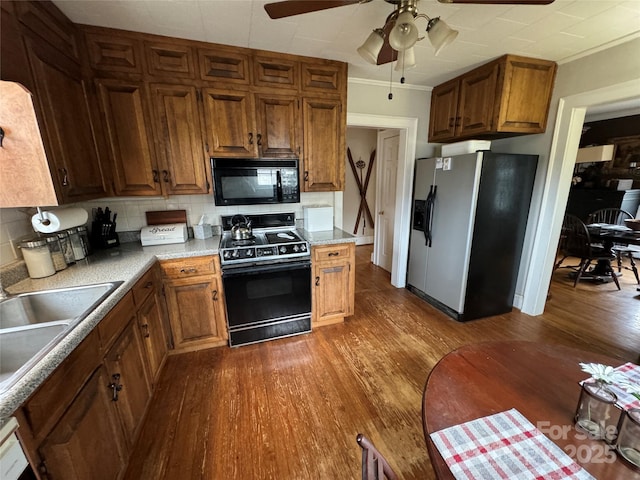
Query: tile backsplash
(15, 223)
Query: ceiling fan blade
(297, 7)
(387, 54)
(501, 2)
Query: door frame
(408, 130)
(565, 142)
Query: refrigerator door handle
(431, 210)
(427, 221)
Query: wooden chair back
(613, 216)
(374, 465)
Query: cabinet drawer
(144, 287)
(115, 321)
(189, 267)
(332, 252)
(46, 405)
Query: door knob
(381, 212)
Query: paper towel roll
(57, 220)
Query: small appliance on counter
(318, 218)
(165, 227)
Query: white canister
(37, 256)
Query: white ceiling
(561, 31)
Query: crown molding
(395, 85)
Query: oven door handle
(257, 269)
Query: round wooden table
(539, 380)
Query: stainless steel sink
(31, 324)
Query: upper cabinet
(39, 37)
(506, 97)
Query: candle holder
(597, 414)
(628, 442)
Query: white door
(388, 146)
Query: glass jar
(65, 244)
(597, 414)
(55, 249)
(84, 237)
(76, 244)
(628, 443)
(37, 257)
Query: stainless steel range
(266, 270)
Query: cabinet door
(277, 71)
(477, 101)
(180, 139)
(230, 123)
(332, 290)
(277, 125)
(444, 108)
(124, 105)
(324, 130)
(324, 77)
(170, 60)
(125, 364)
(153, 334)
(196, 311)
(65, 104)
(88, 441)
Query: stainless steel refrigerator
(469, 219)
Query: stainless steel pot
(241, 229)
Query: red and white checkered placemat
(504, 446)
(625, 400)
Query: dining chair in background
(617, 216)
(575, 241)
(374, 465)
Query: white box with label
(318, 218)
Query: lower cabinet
(83, 420)
(195, 302)
(333, 283)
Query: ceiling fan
(384, 52)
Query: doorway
(388, 146)
(407, 130)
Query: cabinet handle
(306, 176)
(148, 284)
(259, 136)
(451, 122)
(250, 138)
(145, 330)
(215, 295)
(317, 281)
(165, 176)
(156, 179)
(458, 121)
(115, 386)
(189, 270)
(1, 136)
(65, 177)
(333, 254)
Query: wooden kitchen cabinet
(324, 123)
(183, 157)
(151, 321)
(333, 283)
(195, 302)
(277, 123)
(125, 108)
(509, 96)
(88, 441)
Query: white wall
(361, 142)
(605, 76)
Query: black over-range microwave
(250, 181)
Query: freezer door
(418, 251)
(455, 206)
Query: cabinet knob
(65, 177)
(165, 176)
(145, 330)
(156, 178)
(250, 138)
(115, 386)
(317, 281)
(148, 284)
(259, 136)
(306, 176)
(214, 295)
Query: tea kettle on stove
(241, 229)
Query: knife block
(104, 235)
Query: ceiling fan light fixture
(440, 34)
(406, 59)
(404, 33)
(370, 49)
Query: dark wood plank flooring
(291, 408)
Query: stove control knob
(249, 253)
(235, 254)
(283, 249)
(303, 247)
(226, 254)
(296, 248)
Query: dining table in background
(540, 380)
(610, 235)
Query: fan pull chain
(390, 96)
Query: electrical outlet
(447, 163)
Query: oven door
(267, 301)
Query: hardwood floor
(291, 408)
